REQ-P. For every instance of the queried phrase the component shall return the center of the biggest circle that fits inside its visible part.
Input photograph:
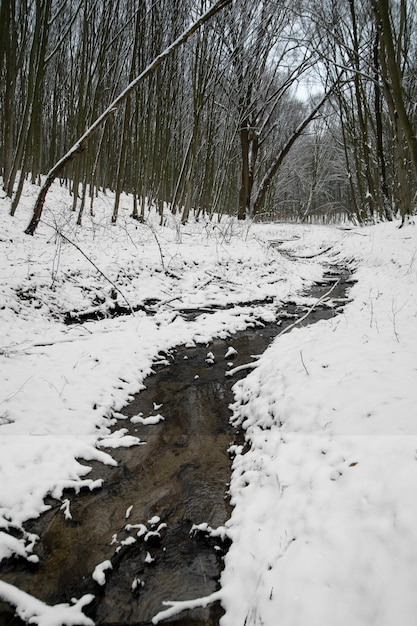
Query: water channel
(140, 520)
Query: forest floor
(324, 492)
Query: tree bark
(387, 213)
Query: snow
(151, 419)
(99, 574)
(32, 611)
(324, 491)
(323, 530)
(176, 607)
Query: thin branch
(307, 256)
(304, 365)
(242, 368)
(72, 243)
(300, 320)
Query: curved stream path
(140, 521)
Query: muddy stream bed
(141, 519)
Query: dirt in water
(141, 520)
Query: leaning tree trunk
(274, 167)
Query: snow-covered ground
(324, 527)
(325, 500)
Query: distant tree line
(220, 126)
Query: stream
(141, 519)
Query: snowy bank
(63, 385)
(324, 491)
(325, 498)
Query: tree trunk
(36, 69)
(8, 45)
(244, 195)
(394, 75)
(368, 198)
(385, 209)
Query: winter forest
(208, 305)
(271, 110)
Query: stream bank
(141, 519)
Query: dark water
(177, 479)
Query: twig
(162, 303)
(394, 323)
(55, 262)
(241, 368)
(286, 330)
(353, 232)
(72, 243)
(310, 310)
(12, 395)
(306, 256)
(304, 365)
(157, 243)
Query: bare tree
(80, 145)
(277, 161)
(213, 136)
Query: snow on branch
(183, 605)
(33, 611)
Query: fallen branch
(301, 319)
(176, 607)
(241, 368)
(306, 256)
(72, 243)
